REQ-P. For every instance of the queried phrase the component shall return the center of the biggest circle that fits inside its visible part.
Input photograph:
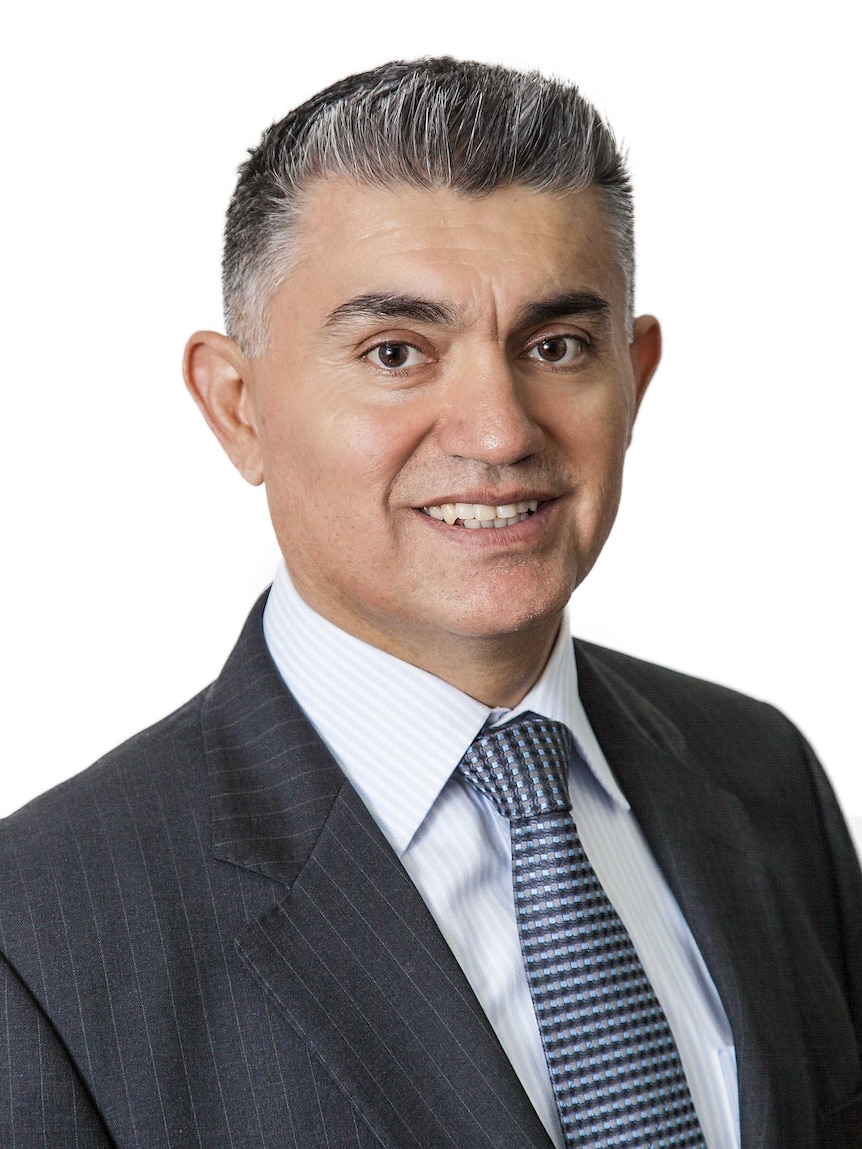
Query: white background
(134, 551)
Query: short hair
(430, 123)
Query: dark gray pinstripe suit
(207, 942)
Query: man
(339, 898)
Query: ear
(645, 351)
(217, 375)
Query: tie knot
(522, 767)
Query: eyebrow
(382, 305)
(565, 303)
(390, 305)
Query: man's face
(432, 352)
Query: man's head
(429, 124)
(429, 353)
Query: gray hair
(432, 123)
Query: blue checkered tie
(612, 1058)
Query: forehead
(501, 249)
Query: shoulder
(103, 865)
(699, 709)
(655, 679)
(173, 742)
(744, 745)
(156, 775)
(747, 748)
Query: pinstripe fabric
(206, 941)
(151, 988)
(124, 937)
(383, 721)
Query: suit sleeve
(44, 1104)
(844, 1125)
(847, 881)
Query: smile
(473, 516)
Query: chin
(501, 616)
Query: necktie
(614, 1065)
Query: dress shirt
(398, 733)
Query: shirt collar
(396, 731)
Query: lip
(489, 498)
(527, 531)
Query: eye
(560, 350)
(395, 356)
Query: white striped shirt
(398, 733)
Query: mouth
(475, 516)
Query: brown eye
(394, 356)
(553, 349)
(559, 349)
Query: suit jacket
(206, 941)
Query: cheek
(596, 437)
(343, 457)
(372, 445)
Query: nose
(486, 415)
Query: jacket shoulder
(745, 745)
(696, 706)
(155, 770)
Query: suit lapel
(700, 836)
(349, 951)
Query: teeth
(476, 515)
